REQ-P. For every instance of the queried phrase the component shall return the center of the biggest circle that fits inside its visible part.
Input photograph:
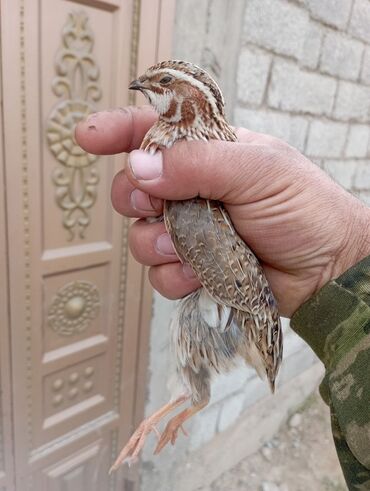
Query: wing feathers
(235, 287)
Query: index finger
(110, 132)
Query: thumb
(218, 170)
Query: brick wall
(304, 75)
(299, 70)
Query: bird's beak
(136, 85)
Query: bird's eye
(165, 80)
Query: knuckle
(158, 278)
(136, 243)
(118, 191)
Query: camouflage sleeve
(335, 322)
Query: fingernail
(146, 166)
(141, 201)
(164, 245)
(188, 271)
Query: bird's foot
(171, 431)
(131, 450)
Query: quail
(234, 314)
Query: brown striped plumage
(234, 315)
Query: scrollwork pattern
(76, 82)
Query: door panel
(6, 423)
(79, 470)
(78, 301)
(78, 69)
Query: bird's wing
(204, 236)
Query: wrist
(356, 245)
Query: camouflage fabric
(335, 322)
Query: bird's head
(181, 93)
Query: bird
(234, 315)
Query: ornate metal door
(78, 303)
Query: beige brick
(205, 424)
(360, 20)
(358, 141)
(312, 45)
(255, 390)
(326, 139)
(364, 196)
(362, 177)
(292, 89)
(296, 364)
(353, 102)
(342, 171)
(231, 410)
(229, 383)
(292, 129)
(332, 12)
(292, 342)
(341, 56)
(277, 25)
(253, 70)
(365, 73)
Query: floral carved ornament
(76, 83)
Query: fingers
(173, 280)
(225, 171)
(150, 244)
(247, 136)
(110, 132)
(132, 202)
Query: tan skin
(304, 228)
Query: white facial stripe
(191, 80)
(162, 101)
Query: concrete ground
(300, 457)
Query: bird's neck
(187, 120)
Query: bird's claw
(129, 453)
(131, 450)
(170, 434)
(130, 461)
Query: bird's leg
(132, 449)
(171, 431)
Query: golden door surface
(75, 307)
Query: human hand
(303, 227)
